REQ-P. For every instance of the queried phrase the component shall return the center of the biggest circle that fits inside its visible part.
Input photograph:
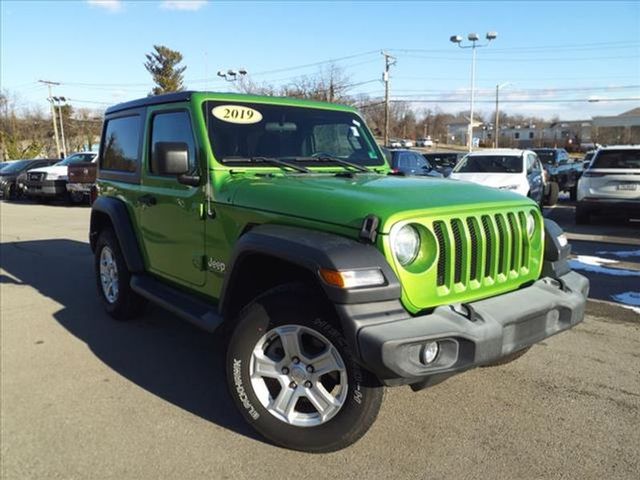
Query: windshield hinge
(369, 229)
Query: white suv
(504, 168)
(611, 184)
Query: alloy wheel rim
(108, 274)
(298, 376)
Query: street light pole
(473, 38)
(473, 91)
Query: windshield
(442, 159)
(617, 159)
(77, 158)
(490, 164)
(14, 167)
(250, 130)
(546, 156)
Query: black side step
(187, 307)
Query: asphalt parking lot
(83, 396)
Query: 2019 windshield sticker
(236, 114)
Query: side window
(172, 127)
(404, 161)
(420, 161)
(121, 140)
(529, 163)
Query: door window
(172, 127)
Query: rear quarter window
(121, 144)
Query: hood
(490, 179)
(346, 201)
(58, 170)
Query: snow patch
(621, 253)
(630, 298)
(592, 264)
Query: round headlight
(406, 245)
(531, 224)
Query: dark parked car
(9, 185)
(561, 169)
(443, 161)
(408, 162)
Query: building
(457, 132)
(617, 129)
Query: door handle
(147, 200)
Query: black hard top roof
(152, 100)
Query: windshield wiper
(272, 161)
(334, 159)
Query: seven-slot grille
(475, 249)
(36, 176)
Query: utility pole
(59, 100)
(388, 61)
(53, 113)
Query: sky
(551, 57)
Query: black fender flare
(117, 213)
(313, 250)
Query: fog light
(430, 352)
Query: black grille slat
(502, 256)
(515, 247)
(489, 247)
(442, 257)
(525, 239)
(460, 254)
(475, 245)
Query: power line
(315, 64)
(569, 100)
(578, 47)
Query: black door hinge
(369, 229)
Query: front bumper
(79, 187)
(46, 188)
(610, 206)
(484, 332)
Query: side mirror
(170, 158)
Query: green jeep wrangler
(279, 223)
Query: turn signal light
(353, 278)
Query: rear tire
(281, 342)
(112, 279)
(552, 197)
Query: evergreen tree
(162, 64)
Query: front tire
(293, 377)
(112, 279)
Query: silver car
(611, 184)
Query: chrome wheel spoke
(322, 400)
(290, 342)
(327, 362)
(285, 402)
(263, 366)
